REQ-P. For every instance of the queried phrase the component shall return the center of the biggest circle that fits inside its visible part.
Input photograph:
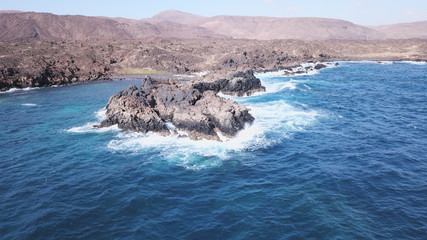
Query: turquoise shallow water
(340, 154)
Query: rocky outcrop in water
(237, 83)
(319, 66)
(201, 114)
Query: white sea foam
(306, 86)
(302, 68)
(89, 127)
(416, 62)
(390, 62)
(386, 62)
(101, 114)
(281, 117)
(29, 104)
(274, 122)
(272, 87)
(362, 61)
(20, 89)
(281, 73)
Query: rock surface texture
(199, 113)
(238, 83)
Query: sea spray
(274, 122)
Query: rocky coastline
(183, 99)
(50, 63)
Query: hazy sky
(365, 12)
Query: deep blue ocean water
(341, 154)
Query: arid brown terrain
(46, 26)
(16, 26)
(43, 49)
(45, 63)
(266, 28)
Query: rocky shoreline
(44, 64)
(183, 99)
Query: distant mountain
(295, 28)
(45, 26)
(16, 25)
(404, 30)
(265, 28)
(181, 17)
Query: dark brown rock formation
(201, 114)
(319, 66)
(238, 83)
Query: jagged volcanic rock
(238, 83)
(202, 114)
(132, 109)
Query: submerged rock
(202, 114)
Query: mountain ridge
(290, 28)
(23, 26)
(48, 26)
(416, 29)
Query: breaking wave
(305, 69)
(20, 89)
(415, 62)
(89, 127)
(275, 122)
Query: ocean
(340, 153)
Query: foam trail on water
(416, 62)
(307, 69)
(386, 62)
(20, 89)
(272, 87)
(390, 62)
(89, 127)
(29, 104)
(281, 73)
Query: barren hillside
(18, 26)
(266, 28)
(404, 30)
(46, 26)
